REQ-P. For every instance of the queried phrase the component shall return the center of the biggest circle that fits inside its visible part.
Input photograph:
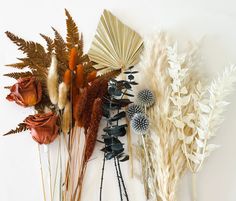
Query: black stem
(102, 177)
(118, 178)
(122, 180)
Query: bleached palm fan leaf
(115, 45)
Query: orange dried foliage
(92, 76)
(73, 56)
(67, 77)
(79, 106)
(93, 128)
(79, 79)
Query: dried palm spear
(115, 45)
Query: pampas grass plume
(66, 119)
(62, 99)
(52, 81)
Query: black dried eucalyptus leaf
(107, 129)
(105, 112)
(134, 83)
(130, 77)
(121, 102)
(117, 147)
(111, 106)
(118, 116)
(127, 94)
(127, 85)
(125, 158)
(109, 156)
(128, 72)
(117, 132)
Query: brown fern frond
(19, 65)
(109, 75)
(81, 42)
(17, 75)
(7, 87)
(20, 128)
(50, 43)
(72, 37)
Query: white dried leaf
(193, 158)
(178, 123)
(211, 147)
(199, 142)
(184, 90)
(188, 139)
(176, 113)
(204, 108)
(201, 133)
(181, 136)
(185, 100)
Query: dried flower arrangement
(183, 118)
(174, 114)
(68, 95)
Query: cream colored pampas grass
(170, 78)
(66, 118)
(63, 92)
(52, 80)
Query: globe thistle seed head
(140, 123)
(133, 109)
(145, 97)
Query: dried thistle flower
(140, 123)
(145, 97)
(133, 109)
(52, 80)
(62, 99)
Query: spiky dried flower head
(52, 80)
(145, 97)
(133, 109)
(140, 123)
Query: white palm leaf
(115, 45)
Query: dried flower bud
(63, 90)
(66, 119)
(72, 58)
(52, 80)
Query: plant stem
(194, 194)
(102, 177)
(49, 171)
(122, 180)
(118, 177)
(41, 171)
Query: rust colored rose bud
(26, 92)
(44, 129)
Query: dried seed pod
(52, 81)
(66, 119)
(133, 109)
(63, 90)
(145, 98)
(140, 123)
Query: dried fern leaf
(115, 45)
(72, 37)
(20, 128)
(34, 51)
(17, 75)
(7, 87)
(50, 43)
(19, 65)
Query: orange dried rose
(26, 92)
(44, 129)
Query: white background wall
(185, 20)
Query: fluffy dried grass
(164, 153)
